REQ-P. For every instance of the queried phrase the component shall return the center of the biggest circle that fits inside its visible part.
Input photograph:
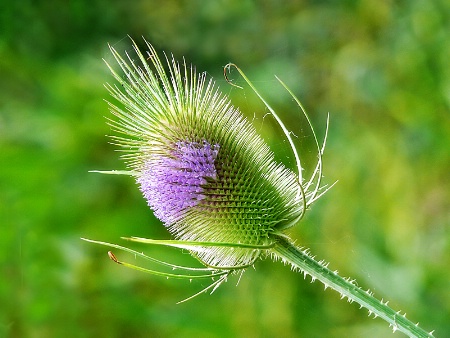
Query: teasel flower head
(200, 164)
(213, 181)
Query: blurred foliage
(381, 68)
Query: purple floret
(173, 184)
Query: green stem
(302, 260)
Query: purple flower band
(174, 183)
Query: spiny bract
(206, 173)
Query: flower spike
(203, 169)
(213, 181)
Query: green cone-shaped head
(205, 172)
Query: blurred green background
(381, 68)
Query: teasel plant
(213, 182)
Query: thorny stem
(302, 260)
